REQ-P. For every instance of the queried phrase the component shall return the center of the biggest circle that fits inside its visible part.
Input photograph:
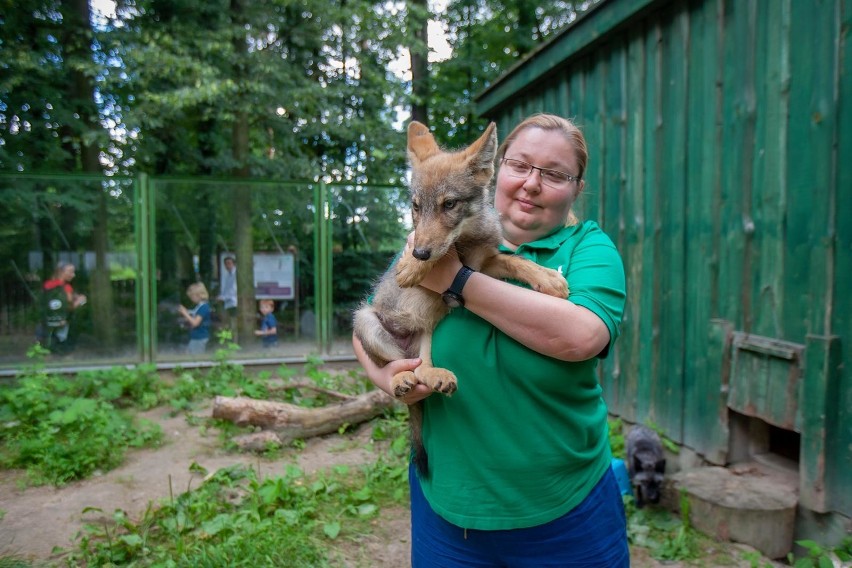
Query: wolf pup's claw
(402, 383)
(439, 380)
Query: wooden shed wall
(720, 138)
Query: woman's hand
(382, 376)
(443, 271)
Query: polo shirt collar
(551, 241)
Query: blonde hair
(198, 291)
(553, 123)
(267, 303)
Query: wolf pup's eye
(449, 204)
(415, 206)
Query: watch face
(452, 299)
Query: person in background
(268, 324)
(519, 467)
(228, 294)
(59, 304)
(198, 318)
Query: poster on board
(274, 275)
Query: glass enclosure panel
(137, 245)
(370, 225)
(197, 229)
(68, 269)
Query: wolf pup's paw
(410, 272)
(439, 380)
(402, 383)
(552, 283)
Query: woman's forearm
(555, 327)
(551, 326)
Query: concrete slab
(748, 506)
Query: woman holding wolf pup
(519, 457)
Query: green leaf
(331, 530)
(363, 494)
(132, 540)
(217, 524)
(367, 510)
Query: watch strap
(453, 295)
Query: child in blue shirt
(268, 324)
(198, 318)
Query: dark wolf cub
(646, 464)
(451, 207)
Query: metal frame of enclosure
(720, 137)
(143, 208)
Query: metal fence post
(146, 282)
(322, 267)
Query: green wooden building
(720, 140)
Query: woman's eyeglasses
(550, 178)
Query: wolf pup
(646, 464)
(451, 206)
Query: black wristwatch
(453, 296)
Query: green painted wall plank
(649, 324)
(576, 82)
(705, 418)
(735, 136)
(671, 210)
(632, 251)
(811, 199)
(840, 448)
(769, 198)
(612, 194)
(810, 229)
(591, 120)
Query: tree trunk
(289, 422)
(82, 92)
(242, 194)
(418, 20)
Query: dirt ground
(36, 519)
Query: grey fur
(646, 464)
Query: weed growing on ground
(286, 520)
(616, 438)
(821, 557)
(60, 429)
(666, 536)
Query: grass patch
(236, 518)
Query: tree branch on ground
(282, 422)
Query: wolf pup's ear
(421, 143)
(482, 152)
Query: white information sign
(274, 275)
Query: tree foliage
(275, 89)
(488, 37)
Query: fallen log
(290, 422)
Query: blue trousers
(592, 535)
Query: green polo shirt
(525, 438)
